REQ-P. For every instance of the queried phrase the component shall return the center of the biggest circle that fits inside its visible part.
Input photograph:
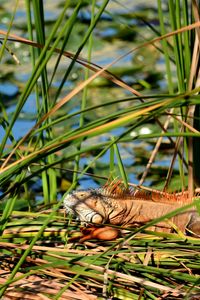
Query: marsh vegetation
(91, 91)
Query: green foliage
(87, 119)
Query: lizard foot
(105, 233)
(100, 233)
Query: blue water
(8, 89)
(26, 119)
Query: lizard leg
(100, 233)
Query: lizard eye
(80, 195)
(97, 219)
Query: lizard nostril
(97, 219)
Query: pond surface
(120, 29)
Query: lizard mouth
(97, 219)
(89, 216)
(83, 214)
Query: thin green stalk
(178, 16)
(84, 95)
(42, 106)
(112, 162)
(35, 54)
(166, 49)
(186, 41)
(48, 178)
(176, 47)
(121, 166)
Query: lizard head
(87, 205)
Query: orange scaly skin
(114, 204)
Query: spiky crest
(117, 189)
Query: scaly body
(119, 206)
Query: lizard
(117, 205)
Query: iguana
(114, 204)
